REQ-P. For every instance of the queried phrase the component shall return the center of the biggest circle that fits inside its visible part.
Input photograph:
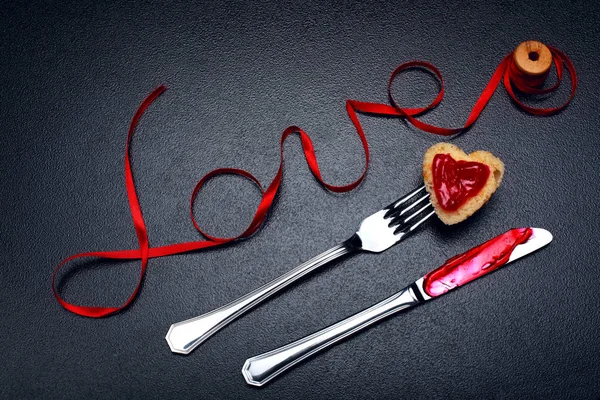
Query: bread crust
(474, 203)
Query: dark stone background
(238, 73)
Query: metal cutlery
(376, 233)
(455, 272)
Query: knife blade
(455, 272)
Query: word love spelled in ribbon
(507, 70)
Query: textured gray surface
(73, 74)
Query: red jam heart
(454, 182)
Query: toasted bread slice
(472, 204)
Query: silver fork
(376, 233)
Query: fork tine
(425, 218)
(417, 212)
(393, 208)
(398, 217)
(400, 212)
(406, 223)
(407, 197)
(392, 224)
(405, 228)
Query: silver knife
(457, 271)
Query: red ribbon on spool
(509, 69)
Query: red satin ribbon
(506, 69)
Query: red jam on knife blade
(455, 182)
(476, 262)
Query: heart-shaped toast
(460, 184)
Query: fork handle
(261, 369)
(185, 336)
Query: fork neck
(353, 244)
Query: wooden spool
(533, 58)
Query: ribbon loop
(224, 171)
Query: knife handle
(261, 369)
